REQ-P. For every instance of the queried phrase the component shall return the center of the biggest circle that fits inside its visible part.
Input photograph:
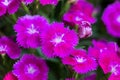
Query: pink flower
(114, 77)
(29, 29)
(80, 11)
(7, 46)
(10, 76)
(109, 62)
(10, 6)
(58, 41)
(111, 18)
(46, 2)
(30, 67)
(80, 61)
(100, 46)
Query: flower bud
(84, 29)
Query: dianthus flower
(46, 2)
(110, 63)
(30, 67)
(80, 11)
(108, 60)
(100, 46)
(10, 76)
(7, 46)
(80, 61)
(28, 30)
(10, 6)
(111, 18)
(58, 40)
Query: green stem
(37, 6)
(14, 17)
(76, 76)
(25, 8)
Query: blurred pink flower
(7, 46)
(111, 18)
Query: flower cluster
(80, 14)
(106, 53)
(42, 37)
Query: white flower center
(58, 39)
(80, 59)
(102, 49)
(77, 18)
(118, 19)
(3, 48)
(32, 29)
(6, 2)
(114, 69)
(31, 69)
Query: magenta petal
(13, 6)
(2, 9)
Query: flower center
(118, 19)
(31, 70)
(80, 59)
(3, 48)
(57, 39)
(102, 49)
(32, 30)
(77, 18)
(114, 69)
(6, 2)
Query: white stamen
(78, 18)
(58, 39)
(6, 2)
(80, 59)
(118, 19)
(31, 69)
(3, 48)
(114, 70)
(32, 29)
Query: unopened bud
(85, 29)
